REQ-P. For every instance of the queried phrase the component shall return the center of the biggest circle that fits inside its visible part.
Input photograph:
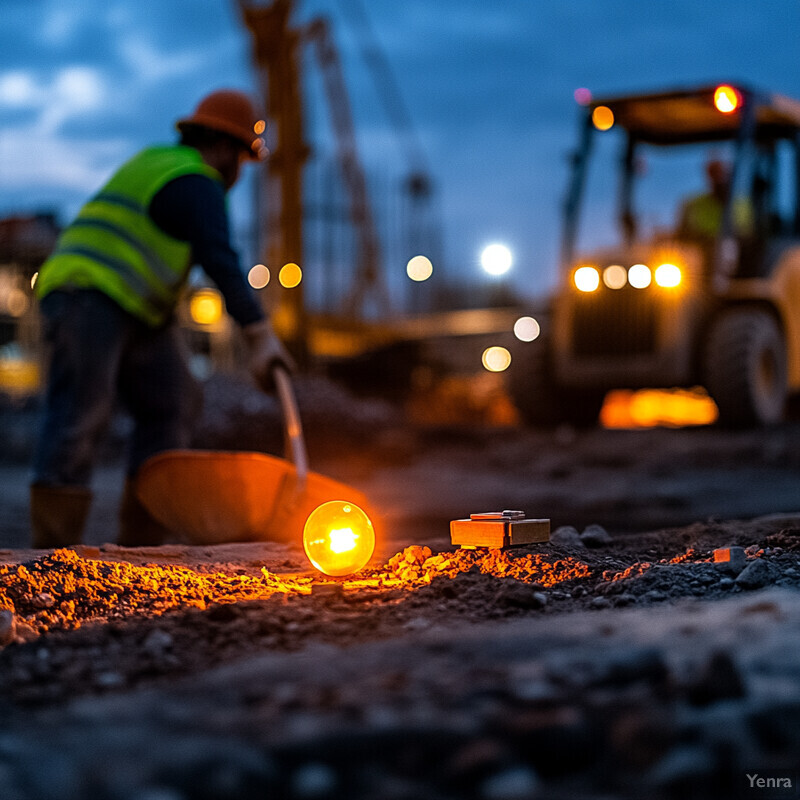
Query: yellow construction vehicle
(644, 301)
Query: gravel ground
(620, 659)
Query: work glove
(264, 351)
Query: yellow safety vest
(115, 247)
(702, 216)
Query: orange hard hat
(232, 112)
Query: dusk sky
(489, 87)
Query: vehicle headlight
(639, 276)
(615, 276)
(586, 279)
(668, 275)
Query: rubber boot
(58, 515)
(137, 526)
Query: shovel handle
(292, 427)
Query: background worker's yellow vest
(113, 245)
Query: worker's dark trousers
(99, 354)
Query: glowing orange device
(338, 538)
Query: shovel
(218, 497)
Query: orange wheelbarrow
(216, 497)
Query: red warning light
(727, 99)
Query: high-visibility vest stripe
(131, 278)
(119, 199)
(167, 276)
(115, 247)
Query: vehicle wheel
(540, 400)
(745, 368)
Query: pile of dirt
(92, 623)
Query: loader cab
(641, 158)
(643, 302)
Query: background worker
(107, 296)
(701, 216)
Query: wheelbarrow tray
(216, 497)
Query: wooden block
(528, 531)
(479, 533)
(497, 531)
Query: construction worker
(107, 297)
(701, 216)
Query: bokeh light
(526, 329)
(290, 275)
(615, 276)
(496, 359)
(419, 268)
(639, 276)
(496, 259)
(727, 99)
(603, 118)
(667, 275)
(259, 276)
(205, 307)
(586, 279)
(17, 302)
(338, 538)
(582, 96)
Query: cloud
(488, 87)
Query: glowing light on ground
(338, 538)
(342, 540)
(496, 259)
(526, 329)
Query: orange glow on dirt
(649, 408)
(63, 590)
(416, 565)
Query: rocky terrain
(650, 649)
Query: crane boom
(369, 275)
(275, 46)
(389, 94)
